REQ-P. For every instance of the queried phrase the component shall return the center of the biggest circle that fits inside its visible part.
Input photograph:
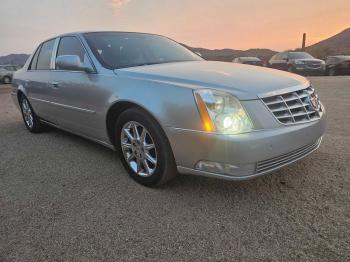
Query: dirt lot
(65, 198)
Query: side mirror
(71, 63)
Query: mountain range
(14, 59)
(337, 44)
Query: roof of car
(89, 32)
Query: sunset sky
(237, 24)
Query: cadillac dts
(165, 109)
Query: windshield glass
(299, 55)
(120, 50)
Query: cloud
(117, 4)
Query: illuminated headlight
(299, 62)
(222, 112)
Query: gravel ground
(63, 198)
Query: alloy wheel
(138, 149)
(27, 113)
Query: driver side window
(70, 45)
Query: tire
(150, 162)
(30, 119)
(332, 72)
(6, 80)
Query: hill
(14, 59)
(336, 45)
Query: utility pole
(304, 41)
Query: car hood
(244, 81)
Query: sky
(214, 24)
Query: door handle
(55, 85)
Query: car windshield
(121, 50)
(299, 55)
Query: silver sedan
(165, 109)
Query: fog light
(225, 169)
(209, 166)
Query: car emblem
(314, 102)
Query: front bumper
(251, 154)
(307, 70)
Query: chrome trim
(83, 110)
(286, 114)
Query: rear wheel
(143, 148)
(6, 80)
(31, 120)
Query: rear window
(32, 65)
(44, 59)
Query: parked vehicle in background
(248, 61)
(6, 73)
(298, 62)
(338, 65)
(167, 110)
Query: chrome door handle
(54, 84)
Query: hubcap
(27, 113)
(138, 149)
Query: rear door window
(44, 59)
(32, 65)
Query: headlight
(299, 62)
(222, 112)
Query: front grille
(276, 162)
(295, 107)
(312, 62)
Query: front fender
(169, 104)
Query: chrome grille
(276, 162)
(295, 107)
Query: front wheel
(31, 120)
(144, 148)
